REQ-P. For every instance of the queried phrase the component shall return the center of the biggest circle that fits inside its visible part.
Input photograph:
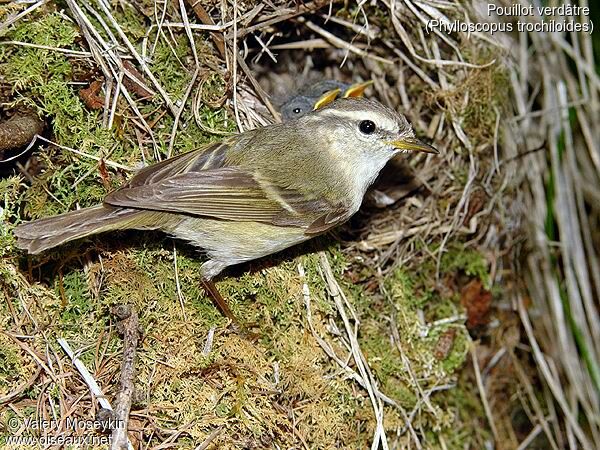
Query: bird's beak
(413, 145)
(357, 89)
(326, 98)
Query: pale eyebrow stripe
(357, 115)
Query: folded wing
(185, 185)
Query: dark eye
(366, 126)
(297, 110)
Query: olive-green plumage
(253, 194)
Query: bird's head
(367, 127)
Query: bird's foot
(242, 329)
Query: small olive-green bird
(253, 194)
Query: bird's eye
(297, 110)
(366, 126)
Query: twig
(177, 283)
(9, 398)
(207, 20)
(211, 437)
(130, 323)
(180, 110)
(340, 43)
(91, 384)
(533, 400)
(545, 371)
(339, 299)
(87, 155)
(209, 341)
(259, 90)
(139, 59)
(66, 51)
(234, 74)
(33, 354)
(13, 19)
(281, 16)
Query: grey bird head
(316, 90)
(296, 107)
(303, 103)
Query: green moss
(9, 212)
(282, 381)
(401, 287)
(49, 29)
(40, 77)
(440, 308)
(168, 67)
(133, 24)
(418, 346)
(74, 287)
(489, 90)
(486, 89)
(9, 366)
(45, 72)
(213, 90)
(458, 258)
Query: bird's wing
(211, 156)
(324, 222)
(228, 193)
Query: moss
(168, 67)
(133, 24)
(10, 364)
(401, 288)
(40, 77)
(489, 90)
(9, 213)
(74, 290)
(468, 411)
(417, 348)
(278, 391)
(213, 89)
(50, 29)
(458, 258)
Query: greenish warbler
(253, 194)
(311, 97)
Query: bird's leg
(221, 303)
(217, 298)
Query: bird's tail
(42, 234)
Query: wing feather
(208, 157)
(199, 183)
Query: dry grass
(556, 91)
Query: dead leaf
(104, 175)
(444, 344)
(90, 95)
(476, 300)
(476, 204)
(132, 85)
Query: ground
(372, 330)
